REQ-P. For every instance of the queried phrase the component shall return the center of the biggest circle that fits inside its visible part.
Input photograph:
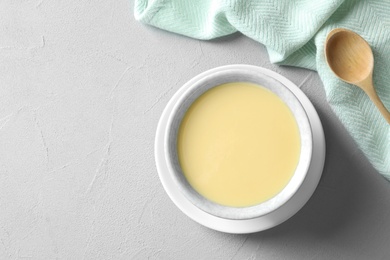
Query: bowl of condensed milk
(237, 144)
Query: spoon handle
(378, 103)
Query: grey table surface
(82, 88)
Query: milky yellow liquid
(238, 144)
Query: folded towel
(294, 33)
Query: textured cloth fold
(294, 33)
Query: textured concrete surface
(82, 86)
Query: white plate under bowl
(254, 224)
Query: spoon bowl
(350, 57)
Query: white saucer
(255, 224)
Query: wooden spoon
(350, 57)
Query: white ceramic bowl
(220, 76)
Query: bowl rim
(222, 75)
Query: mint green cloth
(294, 33)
